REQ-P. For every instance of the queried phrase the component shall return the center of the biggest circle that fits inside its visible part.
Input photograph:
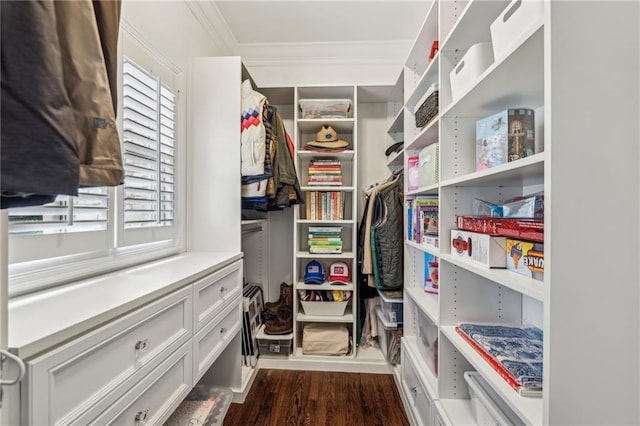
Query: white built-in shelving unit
(305, 131)
(550, 54)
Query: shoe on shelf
(282, 323)
(286, 299)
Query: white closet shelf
(328, 188)
(343, 255)
(513, 173)
(528, 286)
(527, 408)
(473, 24)
(425, 190)
(313, 125)
(426, 302)
(397, 124)
(395, 159)
(525, 60)
(428, 33)
(429, 77)
(426, 136)
(326, 222)
(344, 155)
(326, 286)
(346, 318)
(422, 247)
(350, 356)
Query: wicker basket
(428, 108)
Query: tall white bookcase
(305, 131)
(567, 69)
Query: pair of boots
(278, 316)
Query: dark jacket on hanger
(58, 116)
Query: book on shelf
(323, 172)
(325, 239)
(324, 205)
(422, 217)
(513, 351)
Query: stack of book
(325, 240)
(324, 205)
(422, 219)
(325, 172)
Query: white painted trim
(213, 22)
(349, 53)
(138, 37)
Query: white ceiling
(312, 21)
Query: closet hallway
(287, 397)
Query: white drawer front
(95, 369)
(421, 403)
(209, 342)
(155, 397)
(214, 292)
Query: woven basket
(427, 110)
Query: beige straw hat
(328, 138)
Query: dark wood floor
(314, 398)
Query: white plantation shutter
(149, 143)
(86, 212)
(106, 228)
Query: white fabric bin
(465, 74)
(519, 17)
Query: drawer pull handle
(141, 345)
(223, 330)
(222, 289)
(141, 416)
(414, 389)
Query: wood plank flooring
(315, 398)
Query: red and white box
(481, 249)
(525, 229)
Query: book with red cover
(524, 229)
(513, 351)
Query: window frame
(123, 248)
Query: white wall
(171, 27)
(372, 134)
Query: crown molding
(141, 39)
(335, 53)
(212, 21)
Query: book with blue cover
(514, 351)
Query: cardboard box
(481, 249)
(506, 136)
(526, 258)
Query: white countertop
(43, 320)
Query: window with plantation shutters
(108, 228)
(86, 212)
(148, 149)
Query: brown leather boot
(286, 299)
(282, 323)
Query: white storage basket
(465, 74)
(517, 19)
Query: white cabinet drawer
(91, 372)
(214, 292)
(419, 400)
(155, 397)
(209, 342)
